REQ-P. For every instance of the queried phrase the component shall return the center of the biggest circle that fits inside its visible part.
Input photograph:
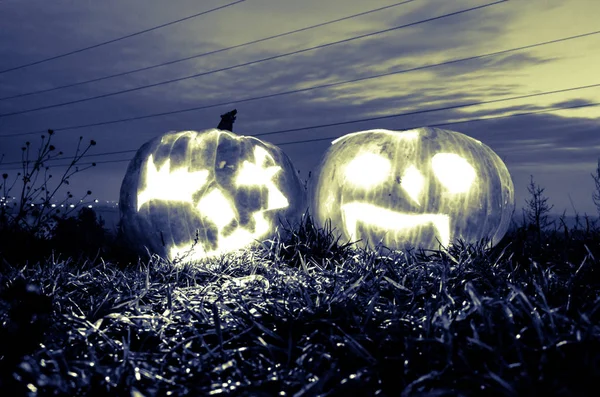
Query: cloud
(541, 140)
(494, 64)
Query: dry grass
(310, 317)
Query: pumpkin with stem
(418, 188)
(201, 194)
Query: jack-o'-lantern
(416, 188)
(211, 190)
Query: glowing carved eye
(454, 172)
(367, 170)
(164, 184)
(412, 183)
(257, 174)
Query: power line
(426, 110)
(206, 53)
(382, 118)
(407, 128)
(118, 39)
(459, 122)
(302, 89)
(247, 63)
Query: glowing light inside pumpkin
(367, 170)
(391, 221)
(179, 185)
(257, 174)
(164, 184)
(216, 208)
(454, 172)
(238, 239)
(441, 185)
(412, 182)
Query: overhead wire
(304, 89)
(372, 118)
(427, 110)
(555, 108)
(207, 53)
(249, 63)
(462, 121)
(118, 39)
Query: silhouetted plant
(537, 210)
(596, 194)
(307, 180)
(31, 216)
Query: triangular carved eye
(260, 173)
(367, 170)
(453, 172)
(163, 183)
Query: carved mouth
(372, 215)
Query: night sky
(560, 148)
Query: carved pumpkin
(227, 190)
(415, 188)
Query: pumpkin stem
(227, 121)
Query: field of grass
(303, 316)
